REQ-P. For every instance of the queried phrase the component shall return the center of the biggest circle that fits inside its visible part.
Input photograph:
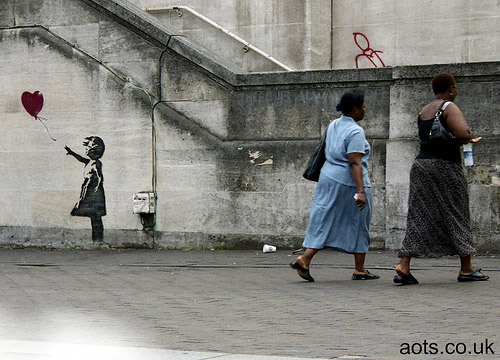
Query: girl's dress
(92, 203)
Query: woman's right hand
(360, 199)
(68, 150)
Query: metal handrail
(246, 45)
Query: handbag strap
(323, 138)
(441, 108)
(438, 117)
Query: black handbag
(438, 133)
(315, 163)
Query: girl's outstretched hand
(69, 151)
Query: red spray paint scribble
(368, 52)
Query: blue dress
(335, 221)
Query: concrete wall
(40, 184)
(223, 150)
(298, 33)
(416, 32)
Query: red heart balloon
(33, 103)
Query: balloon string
(46, 128)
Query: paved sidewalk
(187, 305)
(42, 350)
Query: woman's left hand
(360, 199)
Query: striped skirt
(438, 222)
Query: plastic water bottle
(468, 156)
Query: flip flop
(407, 279)
(476, 275)
(303, 272)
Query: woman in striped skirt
(438, 222)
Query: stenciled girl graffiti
(367, 51)
(92, 202)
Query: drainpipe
(331, 34)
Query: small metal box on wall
(144, 203)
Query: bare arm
(357, 174)
(458, 125)
(76, 156)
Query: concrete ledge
(315, 77)
(481, 69)
(58, 238)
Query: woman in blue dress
(342, 206)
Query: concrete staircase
(219, 40)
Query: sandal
(407, 279)
(303, 272)
(476, 275)
(367, 276)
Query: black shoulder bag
(315, 163)
(438, 133)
